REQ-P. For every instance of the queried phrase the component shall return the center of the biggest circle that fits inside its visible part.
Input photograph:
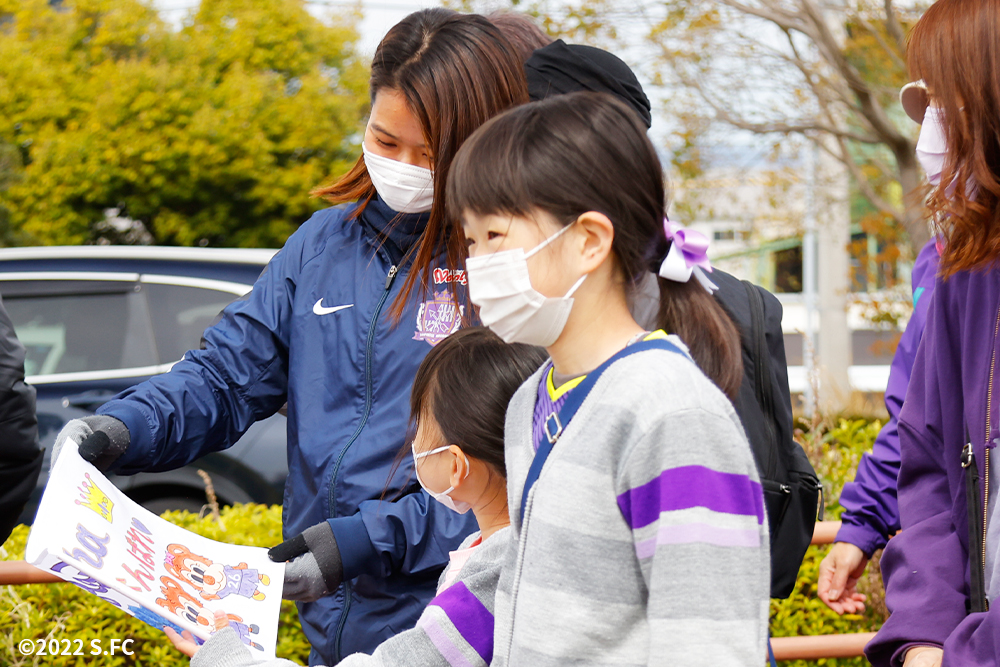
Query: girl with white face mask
(632, 487)
(458, 404)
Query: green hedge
(62, 611)
(834, 451)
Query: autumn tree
(213, 133)
(828, 71)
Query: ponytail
(689, 311)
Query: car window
(180, 314)
(65, 331)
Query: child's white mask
(444, 497)
(406, 188)
(499, 284)
(932, 147)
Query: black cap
(561, 68)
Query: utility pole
(809, 284)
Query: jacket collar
(396, 232)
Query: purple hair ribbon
(688, 255)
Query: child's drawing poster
(91, 534)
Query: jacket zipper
(986, 450)
(369, 344)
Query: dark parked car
(96, 320)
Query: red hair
(955, 49)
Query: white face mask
(444, 498)
(499, 284)
(406, 188)
(931, 144)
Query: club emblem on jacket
(438, 318)
(213, 580)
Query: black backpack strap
(977, 578)
(557, 422)
(763, 389)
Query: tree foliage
(213, 133)
(825, 70)
(828, 71)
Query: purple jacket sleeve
(871, 511)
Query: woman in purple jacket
(871, 511)
(941, 566)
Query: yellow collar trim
(555, 394)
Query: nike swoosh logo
(320, 310)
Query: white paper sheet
(91, 534)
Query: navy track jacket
(316, 332)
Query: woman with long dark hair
(336, 326)
(942, 571)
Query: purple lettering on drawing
(96, 546)
(85, 582)
(138, 524)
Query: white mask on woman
(932, 147)
(444, 497)
(406, 188)
(499, 284)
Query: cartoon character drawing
(185, 605)
(213, 580)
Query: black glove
(102, 439)
(315, 568)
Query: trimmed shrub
(65, 612)
(835, 452)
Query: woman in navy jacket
(336, 326)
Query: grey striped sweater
(644, 540)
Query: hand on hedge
(185, 642)
(314, 567)
(923, 656)
(839, 573)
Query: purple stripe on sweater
(469, 616)
(692, 486)
(442, 642)
(698, 532)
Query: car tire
(160, 505)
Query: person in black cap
(554, 67)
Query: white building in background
(754, 218)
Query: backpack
(791, 489)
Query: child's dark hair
(581, 152)
(465, 382)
